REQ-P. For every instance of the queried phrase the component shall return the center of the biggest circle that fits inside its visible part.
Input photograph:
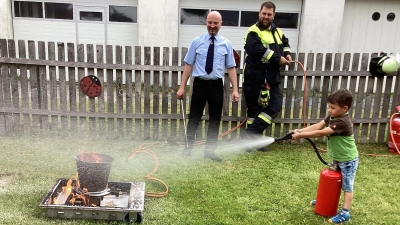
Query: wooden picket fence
(40, 92)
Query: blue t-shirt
(197, 55)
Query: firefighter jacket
(264, 48)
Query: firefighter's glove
(263, 100)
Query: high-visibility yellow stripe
(265, 117)
(250, 120)
(267, 55)
(286, 49)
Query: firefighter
(267, 50)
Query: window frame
(239, 18)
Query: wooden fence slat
(7, 92)
(81, 95)
(101, 98)
(146, 93)
(92, 103)
(119, 92)
(53, 86)
(174, 89)
(354, 83)
(129, 91)
(34, 93)
(15, 98)
(165, 90)
(4, 118)
(62, 77)
(346, 67)
(298, 108)
(23, 77)
(72, 87)
(110, 90)
(325, 83)
(156, 93)
(138, 93)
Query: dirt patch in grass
(4, 180)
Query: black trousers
(251, 93)
(211, 92)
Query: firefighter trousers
(261, 117)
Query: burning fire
(69, 195)
(72, 193)
(90, 157)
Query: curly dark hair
(341, 97)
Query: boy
(341, 145)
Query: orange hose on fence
(144, 149)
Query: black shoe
(212, 156)
(186, 152)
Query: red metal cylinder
(328, 194)
(395, 129)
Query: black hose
(316, 151)
(288, 136)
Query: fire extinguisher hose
(316, 151)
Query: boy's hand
(296, 135)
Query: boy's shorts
(348, 170)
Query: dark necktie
(210, 56)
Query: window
(376, 16)
(91, 16)
(59, 11)
(282, 20)
(28, 9)
(126, 14)
(194, 16)
(286, 20)
(390, 17)
(229, 17)
(248, 18)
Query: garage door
(97, 22)
(370, 26)
(237, 16)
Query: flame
(62, 196)
(90, 157)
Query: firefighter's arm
(258, 51)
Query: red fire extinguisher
(329, 187)
(394, 132)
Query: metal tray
(127, 207)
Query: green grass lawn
(246, 188)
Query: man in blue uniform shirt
(208, 82)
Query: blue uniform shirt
(197, 56)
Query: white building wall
(361, 34)
(6, 29)
(158, 23)
(320, 27)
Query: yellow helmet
(383, 65)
